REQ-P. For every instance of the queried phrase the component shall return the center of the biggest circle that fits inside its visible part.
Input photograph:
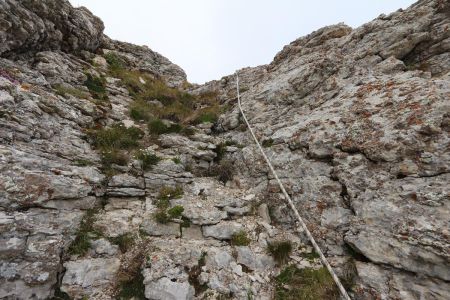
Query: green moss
(148, 159)
(124, 241)
(96, 86)
(280, 251)
(82, 241)
(133, 288)
(176, 211)
(307, 284)
(240, 239)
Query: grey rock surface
(356, 122)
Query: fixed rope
(291, 204)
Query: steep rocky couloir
(356, 122)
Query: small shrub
(240, 239)
(96, 86)
(158, 127)
(280, 251)
(161, 216)
(82, 241)
(224, 171)
(307, 284)
(176, 160)
(267, 143)
(148, 160)
(117, 137)
(133, 288)
(176, 211)
(206, 117)
(114, 61)
(168, 193)
(124, 241)
(310, 256)
(114, 157)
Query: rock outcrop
(356, 122)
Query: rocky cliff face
(356, 122)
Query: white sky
(213, 38)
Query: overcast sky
(213, 38)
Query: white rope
(310, 237)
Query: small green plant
(176, 160)
(176, 211)
(310, 256)
(168, 193)
(240, 239)
(133, 288)
(117, 137)
(64, 90)
(96, 86)
(124, 241)
(82, 241)
(161, 216)
(148, 159)
(114, 157)
(115, 62)
(206, 117)
(280, 251)
(307, 284)
(158, 127)
(140, 110)
(267, 143)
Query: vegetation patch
(240, 239)
(117, 137)
(96, 86)
(124, 241)
(176, 160)
(267, 143)
(154, 99)
(165, 214)
(82, 241)
(157, 127)
(148, 159)
(307, 284)
(176, 211)
(280, 251)
(224, 171)
(310, 256)
(195, 272)
(133, 288)
(64, 90)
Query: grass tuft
(124, 241)
(96, 86)
(240, 239)
(176, 211)
(280, 251)
(307, 284)
(148, 159)
(82, 241)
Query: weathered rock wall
(359, 124)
